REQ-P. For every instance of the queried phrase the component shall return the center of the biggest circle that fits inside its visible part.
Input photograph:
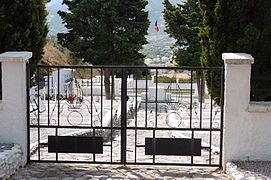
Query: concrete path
(87, 171)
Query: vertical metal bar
(146, 100)
(191, 98)
(91, 102)
(101, 98)
(58, 95)
(48, 95)
(191, 106)
(112, 118)
(153, 133)
(28, 108)
(94, 155)
(91, 97)
(38, 79)
(192, 148)
(202, 96)
(211, 120)
(123, 115)
(153, 146)
(156, 95)
(221, 115)
(135, 117)
(58, 105)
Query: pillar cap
(237, 58)
(15, 56)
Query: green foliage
(183, 22)
(142, 77)
(238, 26)
(210, 57)
(166, 79)
(23, 27)
(105, 32)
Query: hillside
(53, 55)
(159, 43)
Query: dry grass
(53, 56)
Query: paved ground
(86, 171)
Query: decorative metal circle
(77, 123)
(167, 119)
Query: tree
(23, 27)
(209, 56)
(106, 32)
(183, 23)
(238, 26)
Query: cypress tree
(208, 58)
(183, 23)
(106, 32)
(238, 26)
(23, 27)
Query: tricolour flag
(156, 28)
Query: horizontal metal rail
(128, 128)
(126, 67)
(128, 163)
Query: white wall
(246, 124)
(13, 115)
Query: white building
(65, 76)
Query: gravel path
(259, 169)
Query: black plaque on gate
(173, 146)
(75, 144)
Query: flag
(156, 28)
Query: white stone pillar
(13, 112)
(237, 97)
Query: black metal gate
(125, 115)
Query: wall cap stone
(15, 56)
(237, 58)
(260, 106)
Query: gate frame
(124, 111)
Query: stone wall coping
(260, 106)
(15, 56)
(237, 58)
